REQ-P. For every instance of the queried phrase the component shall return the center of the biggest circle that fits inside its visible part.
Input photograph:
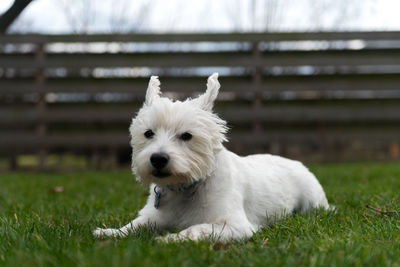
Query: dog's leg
(215, 232)
(123, 231)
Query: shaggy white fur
(200, 188)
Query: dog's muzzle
(159, 161)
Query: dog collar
(179, 188)
(182, 187)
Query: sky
(90, 16)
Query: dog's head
(176, 142)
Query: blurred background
(313, 80)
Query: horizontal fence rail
(323, 96)
(204, 59)
(203, 37)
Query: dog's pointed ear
(206, 100)
(153, 90)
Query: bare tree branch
(121, 16)
(12, 13)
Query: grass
(41, 227)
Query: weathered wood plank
(8, 141)
(289, 114)
(236, 84)
(201, 37)
(207, 59)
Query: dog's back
(274, 186)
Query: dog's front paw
(171, 238)
(98, 233)
(185, 235)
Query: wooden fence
(311, 96)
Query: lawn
(42, 224)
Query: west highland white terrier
(197, 186)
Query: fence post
(394, 150)
(257, 94)
(113, 158)
(13, 162)
(41, 127)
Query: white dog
(200, 188)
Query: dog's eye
(186, 136)
(149, 134)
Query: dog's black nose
(159, 160)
